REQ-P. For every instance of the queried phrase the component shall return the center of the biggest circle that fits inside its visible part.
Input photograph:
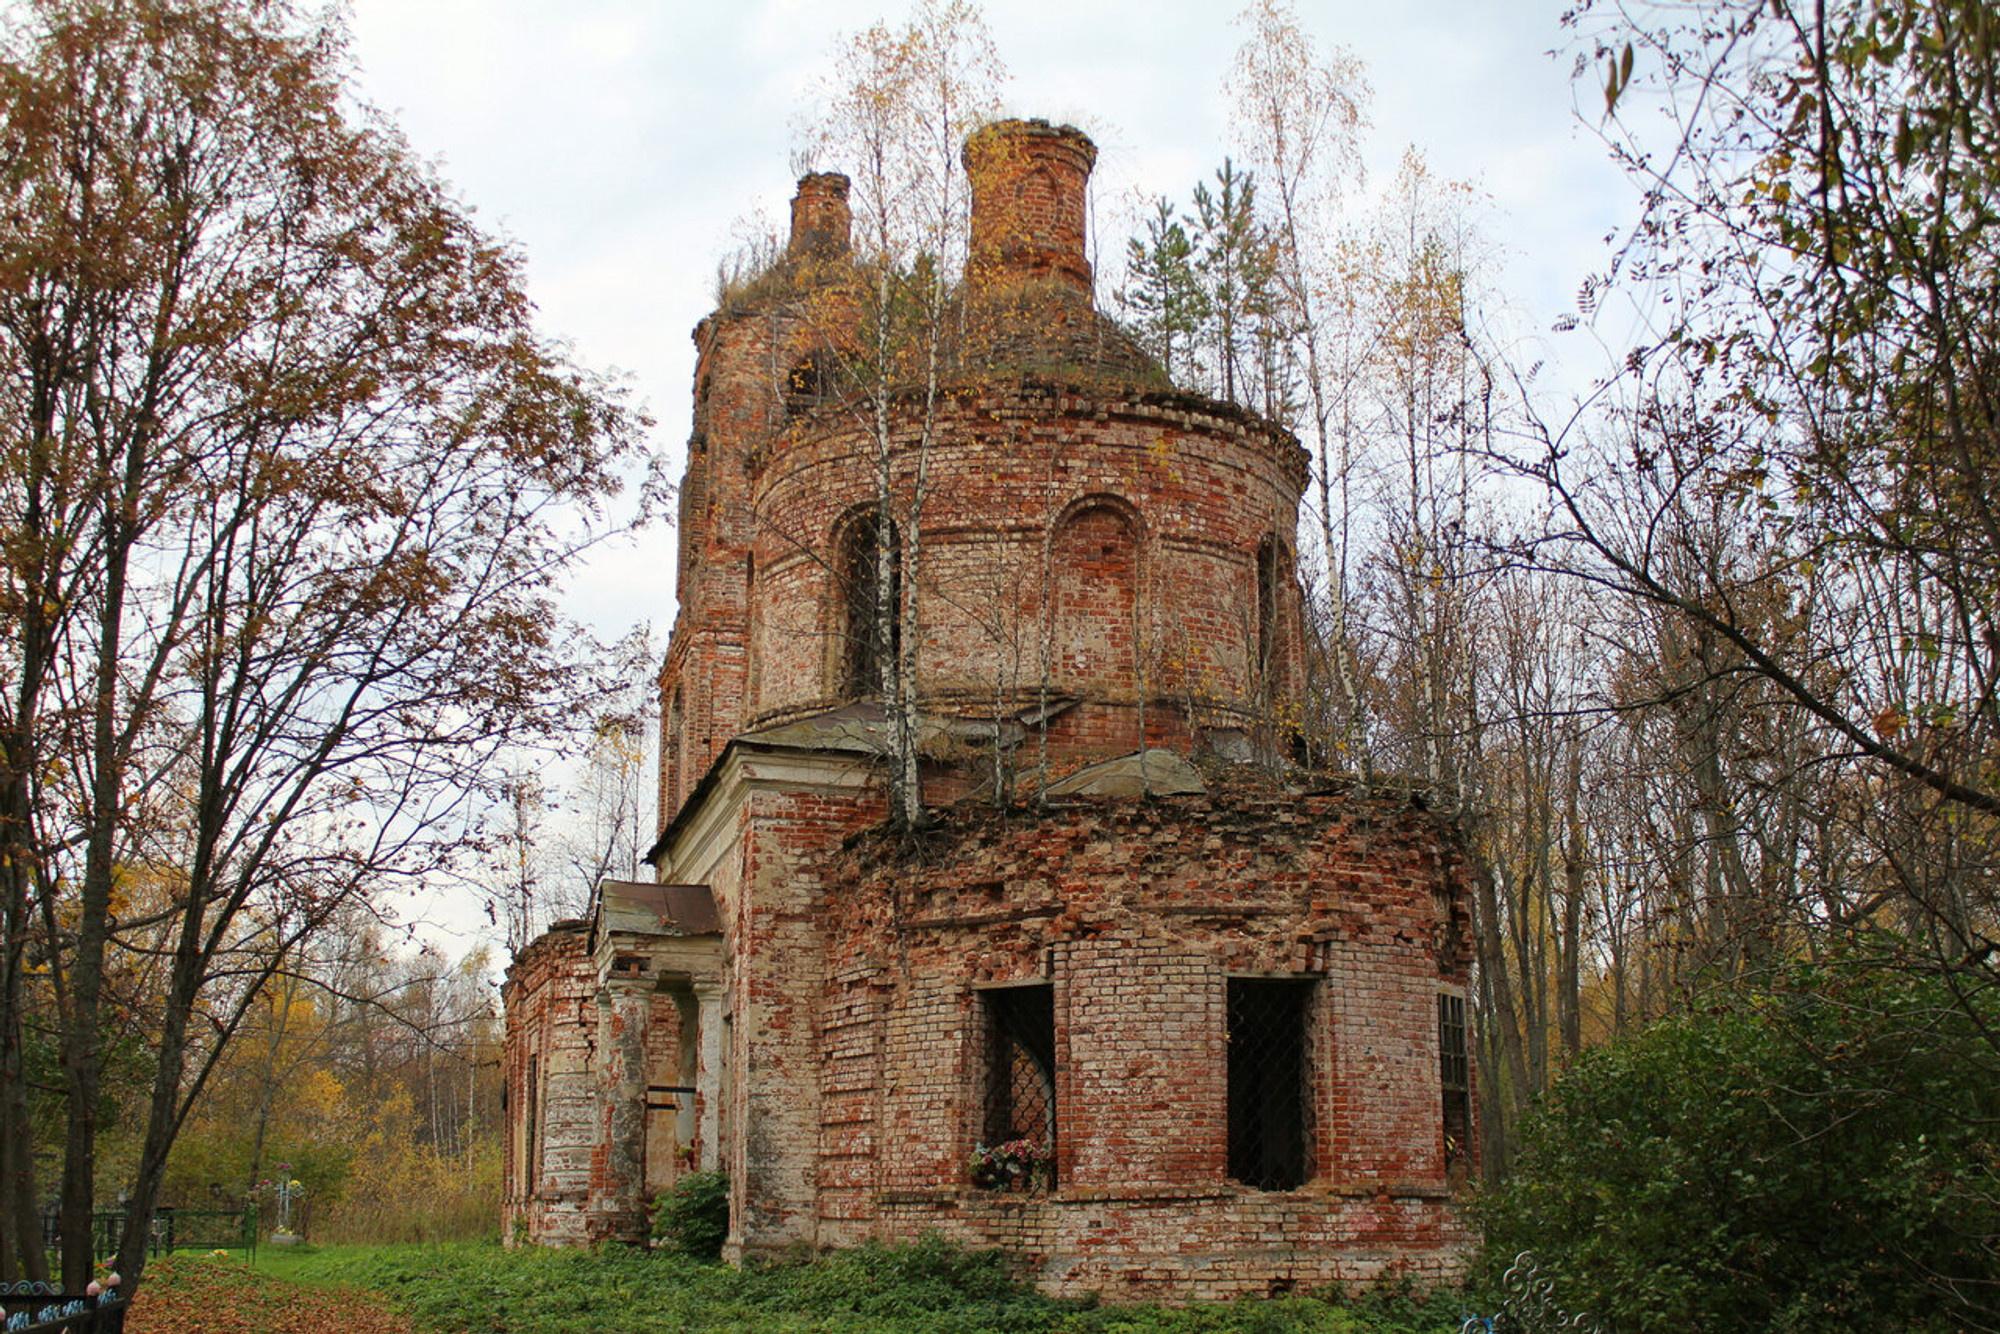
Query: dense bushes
(1819, 1154)
(691, 1217)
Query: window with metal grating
(1455, 1076)
(1020, 1093)
(1270, 1082)
(872, 629)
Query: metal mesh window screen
(1455, 1071)
(1270, 1082)
(1021, 1065)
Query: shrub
(692, 1216)
(910, 1281)
(1816, 1154)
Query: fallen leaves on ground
(189, 1296)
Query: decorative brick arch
(1094, 568)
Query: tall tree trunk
(1569, 995)
(170, 1099)
(1502, 1014)
(25, 878)
(1494, 1145)
(21, 1253)
(83, 1019)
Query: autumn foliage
(223, 1297)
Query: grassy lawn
(483, 1289)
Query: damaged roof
(649, 908)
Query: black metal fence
(170, 1230)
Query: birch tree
(1298, 114)
(904, 102)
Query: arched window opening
(871, 632)
(1269, 565)
(1095, 563)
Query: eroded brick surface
(1137, 913)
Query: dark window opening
(1455, 1070)
(532, 1144)
(1270, 1082)
(873, 630)
(1020, 1101)
(1270, 576)
(672, 748)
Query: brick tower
(1215, 1009)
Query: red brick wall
(1138, 913)
(773, 909)
(1204, 487)
(550, 1025)
(744, 359)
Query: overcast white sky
(620, 141)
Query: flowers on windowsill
(1016, 1165)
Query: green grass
(306, 1262)
(928, 1287)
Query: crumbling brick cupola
(1029, 202)
(821, 219)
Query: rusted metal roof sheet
(655, 909)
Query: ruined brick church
(1142, 1004)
